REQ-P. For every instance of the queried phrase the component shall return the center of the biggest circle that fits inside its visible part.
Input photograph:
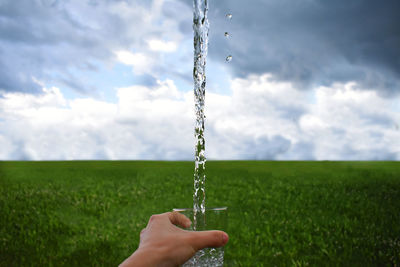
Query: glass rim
(207, 209)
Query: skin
(163, 244)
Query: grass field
(280, 213)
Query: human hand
(164, 244)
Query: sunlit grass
(280, 213)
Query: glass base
(215, 219)
(207, 257)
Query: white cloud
(261, 119)
(155, 38)
(264, 118)
(140, 62)
(17, 101)
(162, 46)
(347, 123)
(146, 123)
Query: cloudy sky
(111, 79)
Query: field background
(90, 213)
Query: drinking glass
(215, 219)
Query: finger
(143, 231)
(205, 239)
(179, 219)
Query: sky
(112, 79)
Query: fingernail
(225, 238)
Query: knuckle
(175, 214)
(153, 217)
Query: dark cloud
(302, 151)
(41, 40)
(260, 148)
(311, 42)
(276, 147)
(378, 119)
(52, 41)
(350, 153)
(308, 42)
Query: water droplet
(227, 35)
(228, 58)
(229, 16)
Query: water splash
(200, 28)
(227, 35)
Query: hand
(164, 244)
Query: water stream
(200, 28)
(210, 256)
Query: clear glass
(215, 219)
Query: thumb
(205, 239)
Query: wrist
(144, 257)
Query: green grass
(280, 213)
